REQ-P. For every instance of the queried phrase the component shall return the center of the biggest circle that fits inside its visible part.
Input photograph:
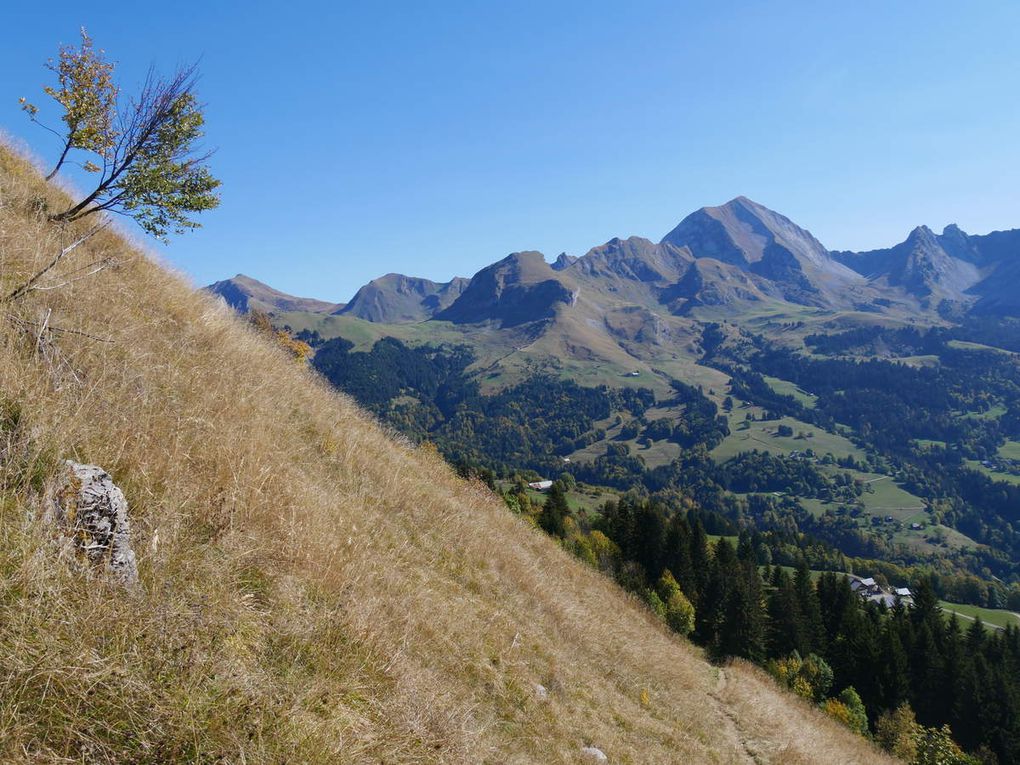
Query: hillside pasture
(993, 617)
(747, 436)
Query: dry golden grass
(313, 589)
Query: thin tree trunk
(60, 162)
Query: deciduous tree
(144, 151)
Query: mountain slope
(518, 289)
(746, 234)
(311, 590)
(245, 294)
(399, 299)
(977, 270)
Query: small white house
(540, 485)
(903, 592)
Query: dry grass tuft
(313, 590)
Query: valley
(741, 408)
(726, 306)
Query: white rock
(93, 513)
(540, 692)
(593, 754)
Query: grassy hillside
(312, 589)
(992, 616)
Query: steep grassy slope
(313, 590)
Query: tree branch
(46, 327)
(63, 156)
(27, 286)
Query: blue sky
(434, 138)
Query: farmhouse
(871, 591)
(540, 485)
(864, 587)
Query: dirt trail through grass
(740, 745)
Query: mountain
(563, 261)
(311, 589)
(623, 304)
(244, 294)
(633, 260)
(399, 299)
(736, 257)
(748, 235)
(920, 265)
(520, 288)
(975, 271)
(711, 282)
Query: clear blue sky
(434, 138)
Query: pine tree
(894, 669)
(700, 563)
(784, 623)
(812, 629)
(836, 602)
(649, 537)
(677, 554)
(925, 668)
(555, 510)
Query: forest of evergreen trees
(811, 630)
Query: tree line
(900, 674)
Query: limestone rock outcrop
(92, 513)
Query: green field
(762, 436)
(886, 498)
(993, 474)
(993, 413)
(577, 499)
(989, 616)
(657, 454)
(766, 571)
(1010, 450)
(969, 346)
(934, 538)
(787, 388)
(713, 538)
(928, 443)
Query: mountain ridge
(396, 298)
(746, 252)
(620, 306)
(243, 293)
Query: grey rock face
(93, 513)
